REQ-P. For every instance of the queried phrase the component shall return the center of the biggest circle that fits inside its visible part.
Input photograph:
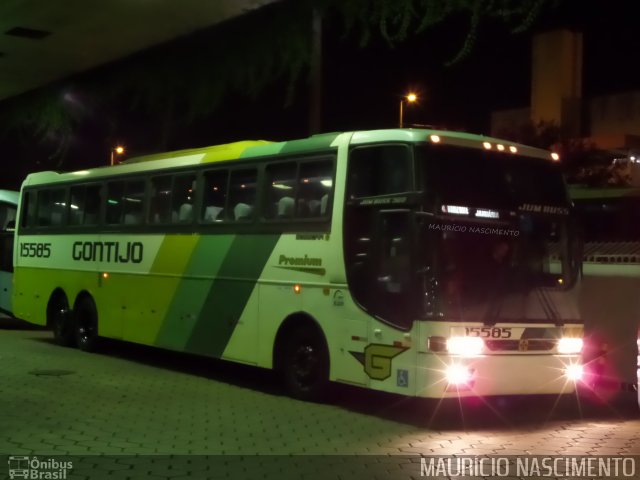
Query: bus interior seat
(56, 218)
(185, 214)
(285, 207)
(132, 218)
(211, 213)
(313, 206)
(242, 211)
(75, 217)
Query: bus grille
(523, 345)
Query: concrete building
(609, 122)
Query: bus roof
(260, 148)
(9, 196)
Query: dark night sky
(362, 87)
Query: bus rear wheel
(86, 324)
(305, 364)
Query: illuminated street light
(410, 98)
(118, 150)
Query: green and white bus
(8, 208)
(421, 262)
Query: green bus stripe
(229, 293)
(190, 294)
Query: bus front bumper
(444, 376)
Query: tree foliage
(189, 78)
(582, 162)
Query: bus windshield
(491, 179)
(500, 232)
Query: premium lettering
(300, 261)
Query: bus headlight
(458, 375)
(569, 345)
(574, 372)
(465, 346)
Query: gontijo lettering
(116, 252)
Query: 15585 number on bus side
(35, 250)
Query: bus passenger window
(379, 170)
(115, 191)
(215, 196)
(242, 194)
(84, 205)
(125, 202)
(76, 205)
(92, 200)
(133, 202)
(183, 196)
(160, 211)
(7, 216)
(51, 207)
(314, 188)
(281, 193)
(28, 210)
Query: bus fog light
(466, 346)
(569, 345)
(574, 372)
(458, 375)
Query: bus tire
(60, 319)
(304, 364)
(86, 324)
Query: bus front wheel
(86, 324)
(305, 364)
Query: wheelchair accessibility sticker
(403, 378)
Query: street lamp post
(118, 150)
(410, 98)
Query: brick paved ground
(132, 400)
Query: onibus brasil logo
(38, 469)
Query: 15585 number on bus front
(489, 332)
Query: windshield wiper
(549, 308)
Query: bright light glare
(412, 97)
(326, 183)
(574, 372)
(457, 374)
(435, 138)
(486, 145)
(456, 210)
(513, 149)
(465, 346)
(500, 147)
(555, 156)
(569, 345)
(119, 150)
